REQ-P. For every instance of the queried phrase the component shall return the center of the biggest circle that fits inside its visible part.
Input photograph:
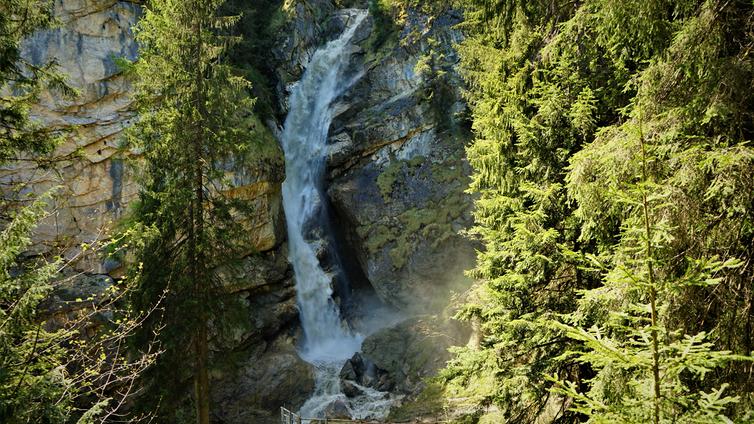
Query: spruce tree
(553, 89)
(192, 110)
(49, 372)
(645, 370)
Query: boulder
(251, 386)
(350, 389)
(362, 371)
(412, 351)
(338, 409)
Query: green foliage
(435, 69)
(194, 119)
(554, 89)
(21, 81)
(32, 386)
(258, 26)
(49, 371)
(644, 370)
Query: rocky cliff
(397, 172)
(97, 180)
(396, 178)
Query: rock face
(397, 172)
(96, 184)
(255, 366)
(253, 387)
(397, 166)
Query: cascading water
(328, 342)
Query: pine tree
(192, 109)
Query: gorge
(472, 211)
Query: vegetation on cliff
(59, 356)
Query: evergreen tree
(31, 389)
(21, 80)
(48, 374)
(192, 111)
(645, 371)
(551, 86)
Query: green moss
(416, 161)
(430, 402)
(388, 177)
(448, 172)
(415, 219)
(399, 254)
(395, 170)
(378, 236)
(261, 152)
(434, 223)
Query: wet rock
(397, 168)
(363, 371)
(350, 389)
(338, 409)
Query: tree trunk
(201, 348)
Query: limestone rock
(97, 180)
(303, 33)
(96, 183)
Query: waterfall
(328, 342)
(304, 142)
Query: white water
(328, 342)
